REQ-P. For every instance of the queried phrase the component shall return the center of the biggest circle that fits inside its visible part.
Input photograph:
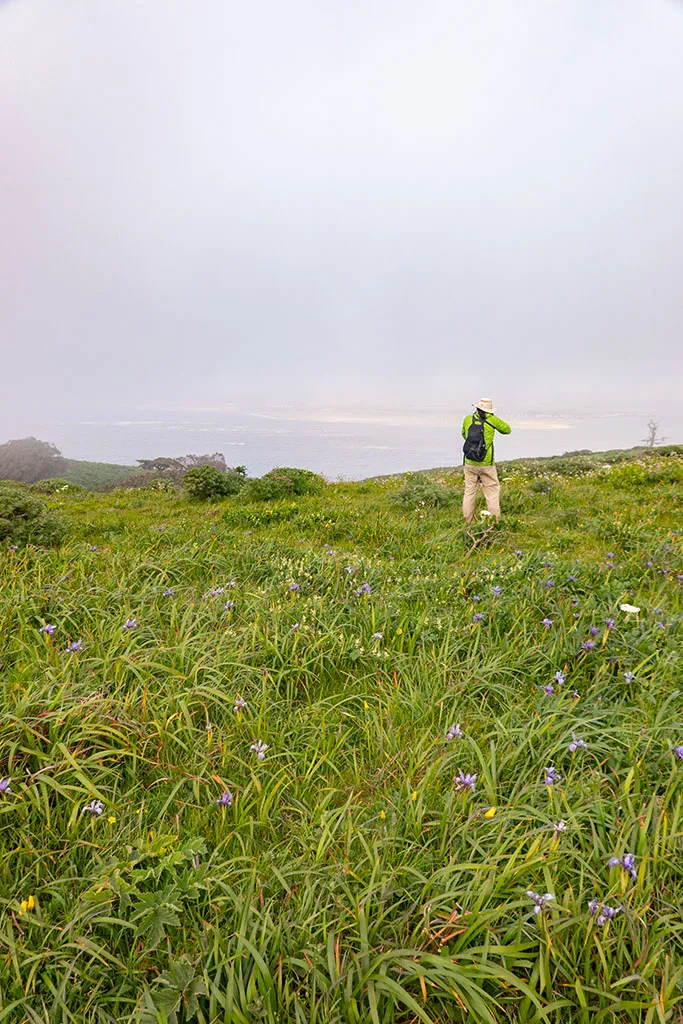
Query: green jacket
(491, 424)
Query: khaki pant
(487, 476)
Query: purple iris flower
(478, 617)
(649, 564)
(475, 597)
(547, 623)
(539, 900)
(294, 588)
(465, 781)
(49, 629)
(228, 606)
(629, 677)
(364, 588)
(95, 807)
(94, 547)
(497, 591)
(4, 785)
(77, 645)
(552, 776)
(169, 592)
(603, 912)
(518, 554)
(259, 748)
(549, 690)
(607, 914)
(627, 862)
(588, 645)
(548, 565)
(571, 579)
(576, 743)
(225, 799)
(455, 732)
(559, 678)
(678, 751)
(609, 623)
(130, 624)
(240, 704)
(549, 584)
(593, 630)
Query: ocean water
(339, 445)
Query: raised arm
(500, 425)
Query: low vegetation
(298, 757)
(24, 519)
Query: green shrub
(24, 519)
(283, 483)
(419, 490)
(206, 482)
(650, 471)
(55, 485)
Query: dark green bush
(24, 519)
(55, 485)
(206, 482)
(283, 483)
(419, 490)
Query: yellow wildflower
(111, 819)
(490, 813)
(382, 815)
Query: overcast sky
(332, 202)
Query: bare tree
(651, 441)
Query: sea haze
(351, 444)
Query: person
(478, 430)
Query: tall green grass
(347, 878)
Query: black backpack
(474, 447)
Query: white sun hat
(486, 405)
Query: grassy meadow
(304, 761)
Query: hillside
(335, 759)
(96, 475)
(568, 464)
